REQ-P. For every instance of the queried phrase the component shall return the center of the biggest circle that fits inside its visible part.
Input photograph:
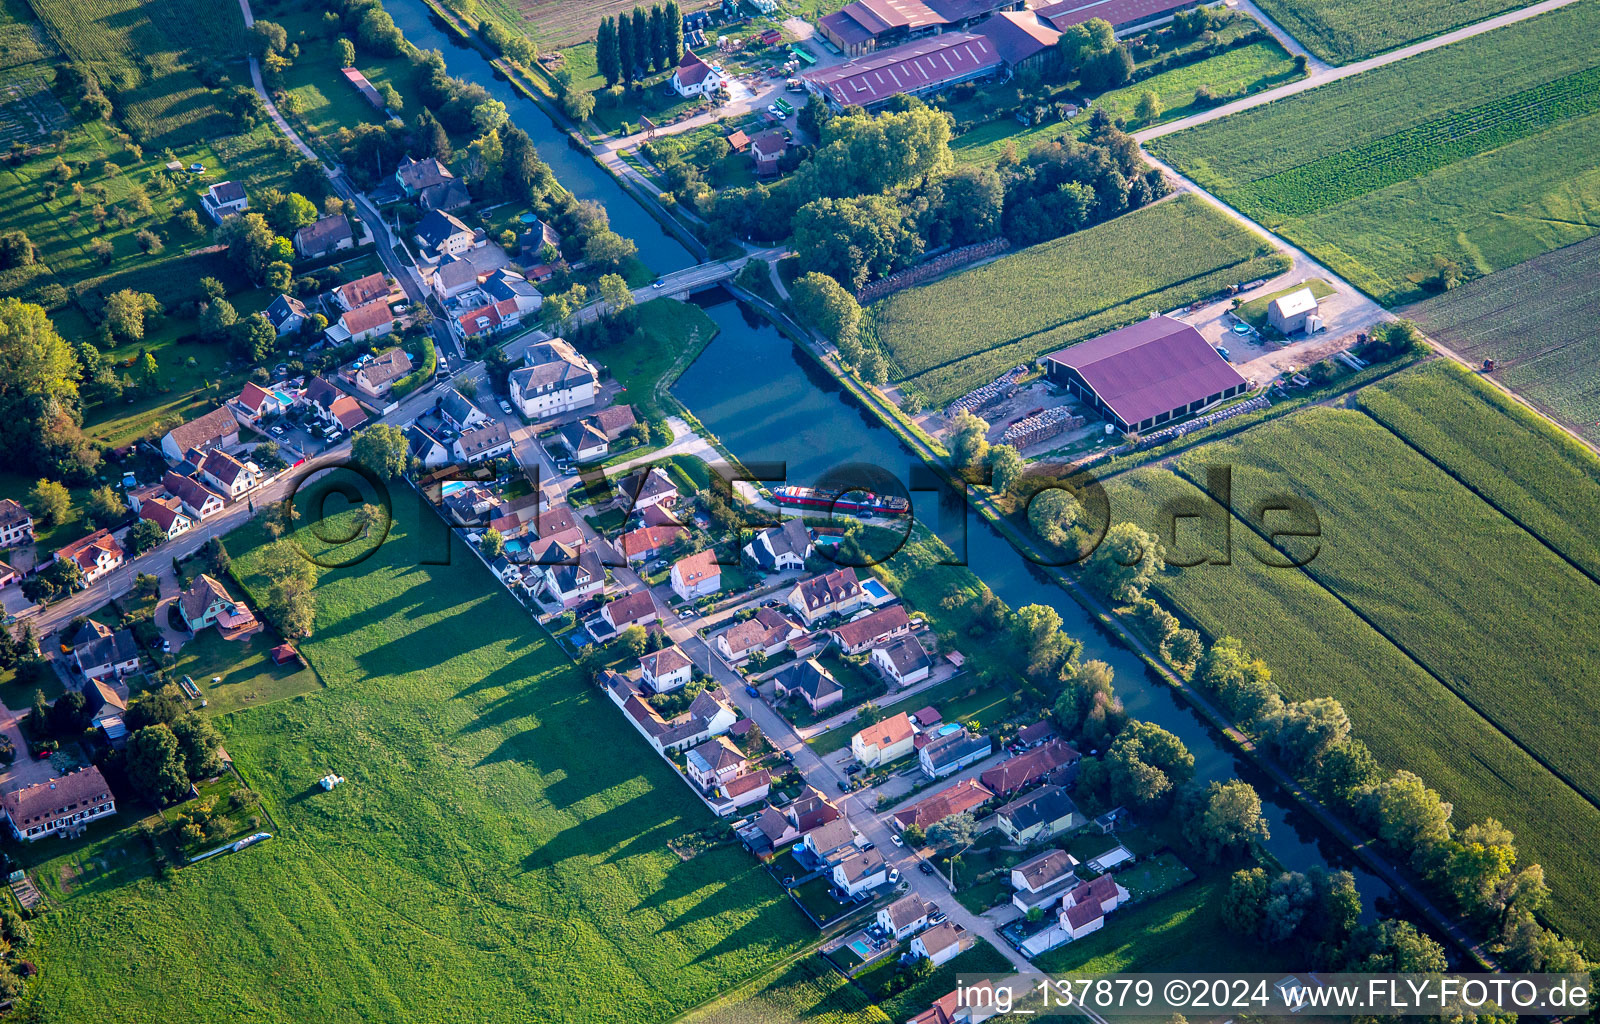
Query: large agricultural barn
(868, 25)
(1146, 374)
(1124, 15)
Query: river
(770, 402)
(575, 169)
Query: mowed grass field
(1477, 153)
(807, 990)
(964, 330)
(498, 852)
(1536, 320)
(1413, 613)
(1342, 31)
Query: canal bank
(573, 167)
(771, 402)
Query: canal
(770, 402)
(575, 169)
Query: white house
(330, 234)
(781, 547)
(863, 870)
(286, 313)
(902, 661)
(61, 807)
(635, 609)
(1041, 881)
(254, 403)
(216, 429)
(884, 741)
(228, 475)
(941, 943)
(457, 410)
(1084, 908)
(224, 199)
(96, 554)
(374, 320)
(576, 582)
(441, 234)
(767, 631)
(905, 916)
(666, 670)
(198, 500)
(713, 763)
(952, 752)
(556, 379)
(16, 524)
(696, 576)
(425, 448)
(708, 715)
(694, 77)
(489, 441)
(357, 293)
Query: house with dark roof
(635, 609)
(319, 238)
(489, 441)
(506, 285)
(768, 833)
(666, 670)
(16, 524)
(103, 706)
(1125, 16)
(555, 379)
(415, 175)
(1017, 773)
(440, 234)
(1047, 811)
(947, 754)
(577, 580)
(767, 149)
(781, 547)
(834, 593)
(918, 68)
(61, 806)
(961, 798)
(811, 809)
(1041, 881)
(860, 871)
(1021, 38)
(767, 631)
(814, 684)
(709, 715)
(905, 916)
(902, 661)
(830, 842)
(694, 77)
(584, 440)
(713, 763)
(227, 475)
(207, 603)
(216, 429)
(445, 195)
(224, 199)
(166, 512)
(459, 411)
(286, 314)
(647, 488)
(1142, 376)
(871, 630)
(428, 450)
(198, 500)
(112, 655)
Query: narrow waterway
(575, 169)
(770, 402)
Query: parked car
(938, 916)
(894, 876)
(751, 691)
(896, 840)
(505, 407)
(852, 769)
(844, 787)
(925, 868)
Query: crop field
(557, 23)
(1536, 320)
(480, 855)
(950, 336)
(1523, 466)
(1469, 152)
(22, 41)
(1342, 31)
(1247, 70)
(808, 990)
(1317, 646)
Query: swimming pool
(860, 948)
(876, 591)
(513, 545)
(945, 730)
(283, 399)
(451, 486)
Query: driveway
(24, 771)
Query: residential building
(486, 320)
(902, 661)
(1296, 311)
(941, 943)
(884, 741)
(489, 441)
(1084, 908)
(60, 807)
(944, 755)
(206, 603)
(440, 234)
(557, 523)
(254, 403)
(415, 175)
(167, 513)
(216, 429)
(694, 77)
(555, 380)
(452, 277)
(862, 870)
(1030, 736)
(1043, 880)
(1017, 773)
(767, 631)
(960, 1006)
(581, 578)
(713, 763)
(815, 684)
(361, 291)
(696, 576)
(198, 500)
(1047, 811)
(332, 406)
(287, 314)
(584, 440)
(375, 378)
(614, 421)
(709, 715)
(830, 842)
(374, 320)
(330, 234)
(506, 285)
(227, 475)
(646, 488)
(781, 547)
(96, 554)
(742, 790)
(960, 798)
(470, 504)
(811, 809)
(770, 832)
(16, 524)
(459, 412)
(9, 574)
(905, 916)
(1147, 374)
(635, 609)
(834, 593)
(666, 670)
(767, 149)
(648, 541)
(445, 195)
(224, 199)
(104, 708)
(871, 630)
(107, 654)
(428, 450)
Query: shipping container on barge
(859, 503)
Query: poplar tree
(626, 58)
(658, 38)
(674, 19)
(605, 51)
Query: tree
(658, 38)
(1108, 69)
(631, 642)
(1126, 562)
(492, 542)
(627, 58)
(155, 763)
(578, 104)
(149, 370)
(1005, 466)
(488, 116)
(968, 439)
(125, 313)
(1304, 731)
(954, 834)
(1411, 817)
(1229, 820)
(1145, 763)
(873, 368)
(1480, 862)
(607, 59)
(49, 502)
(1148, 108)
(65, 717)
(1182, 649)
(821, 302)
(382, 449)
(608, 248)
(674, 19)
(1393, 947)
(370, 515)
(914, 835)
(215, 552)
(1241, 681)
(347, 52)
(1244, 903)
(614, 292)
(1037, 628)
(269, 37)
(1054, 513)
(291, 575)
(145, 535)
(145, 585)
(16, 249)
(642, 52)
(216, 318)
(255, 337)
(971, 200)
(198, 741)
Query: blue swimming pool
(451, 486)
(513, 545)
(860, 948)
(945, 730)
(875, 590)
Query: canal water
(769, 402)
(574, 168)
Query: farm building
(868, 25)
(1124, 15)
(1296, 311)
(915, 69)
(1146, 374)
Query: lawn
(1469, 153)
(480, 853)
(1341, 31)
(1254, 312)
(1536, 321)
(1319, 646)
(670, 335)
(964, 330)
(981, 959)
(807, 990)
(1182, 931)
(245, 674)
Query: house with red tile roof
(96, 554)
(696, 575)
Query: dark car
(925, 868)
(751, 691)
(852, 769)
(844, 787)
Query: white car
(505, 408)
(896, 840)
(894, 876)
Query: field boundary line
(1403, 649)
